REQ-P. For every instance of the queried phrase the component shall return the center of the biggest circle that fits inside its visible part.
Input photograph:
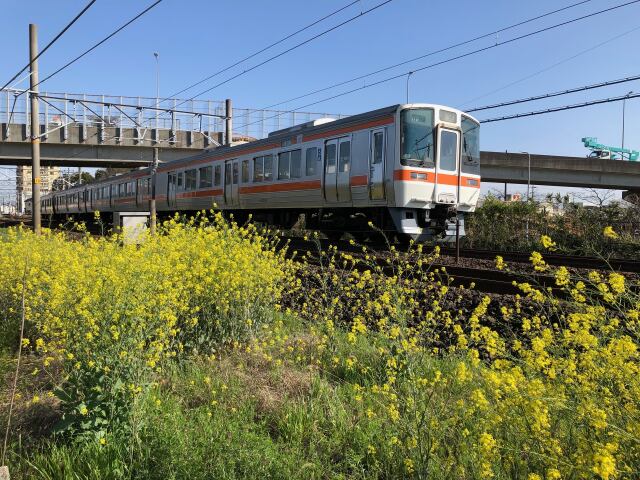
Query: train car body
(412, 169)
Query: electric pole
(152, 202)
(228, 123)
(35, 129)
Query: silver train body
(411, 169)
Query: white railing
(189, 115)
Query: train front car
(436, 175)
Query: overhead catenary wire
(561, 108)
(96, 45)
(428, 54)
(451, 59)
(555, 94)
(54, 40)
(553, 65)
(290, 49)
(264, 49)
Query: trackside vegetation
(576, 229)
(205, 352)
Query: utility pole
(152, 202)
(35, 129)
(157, 55)
(228, 123)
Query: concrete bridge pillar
(632, 196)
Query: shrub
(113, 314)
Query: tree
(70, 179)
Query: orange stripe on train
(443, 178)
(282, 187)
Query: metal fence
(189, 115)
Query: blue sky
(196, 38)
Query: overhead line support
(35, 129)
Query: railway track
(575, 261)
(13, 221)
(482, 279)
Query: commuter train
(410, 169)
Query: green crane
(598, 150)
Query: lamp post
(408, 77)
(528, 188)
(157, 55)
(624, 102)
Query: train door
(330, 170)
(447, 166)
(377, 160)
(171, 189)
(337, 170)
(343, 180)
(231, 183)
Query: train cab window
(283, 165)
(470, 146)
(344, 157)
(235, 173)
(268, 168)
(258, 169)
(378, 147)
(217, 178)
(448, 148)
(206, 177)
(245, 171)
(296, 163)
(311, 157)
(416, 137)
(190, 181)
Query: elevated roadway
(101, 147)
(505, 167)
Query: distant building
(23, 183)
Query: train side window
(217, 175)
(378, 147)
(245, 171)
(235, 173)
(268, 168)
(180, 180)
(296, 163)
(258, 169)
(344, 156)
(311, 156)
(191, 178)
(206, 176)
(283, 165)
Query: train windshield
(470, 146)
(416, 141)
